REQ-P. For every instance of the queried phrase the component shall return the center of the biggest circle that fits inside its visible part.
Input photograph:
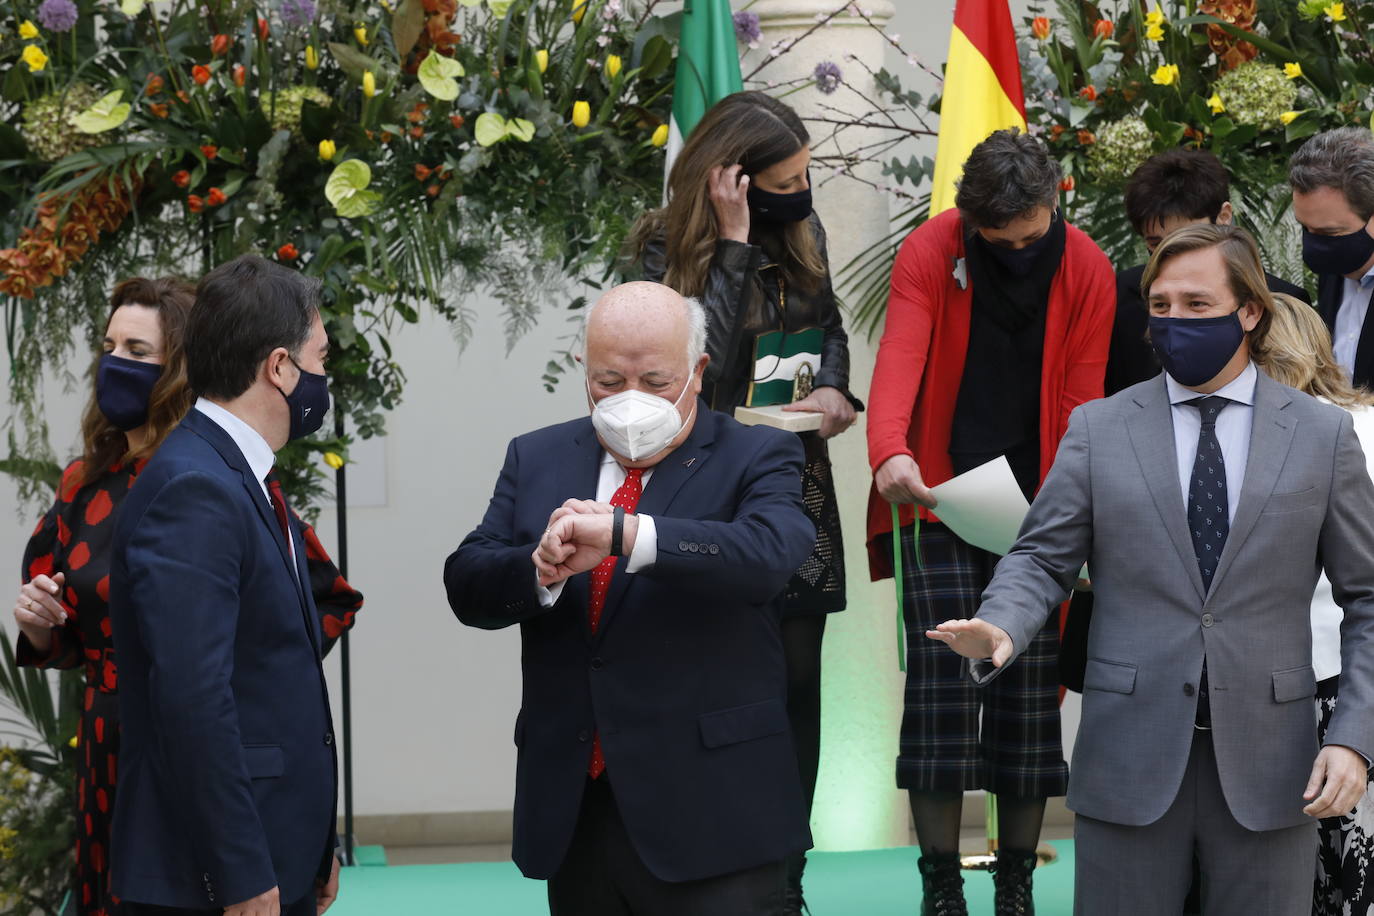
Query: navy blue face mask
(1195, 350)
(1018, 261)
(308, 403)
(769, 207)
(123, 388)
(1336, 254)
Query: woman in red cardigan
(997, 327)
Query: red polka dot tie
(627, 497)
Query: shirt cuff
(646, 546)
(548, 597)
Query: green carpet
(879, 883)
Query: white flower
(603, 39)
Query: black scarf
(1014, 302)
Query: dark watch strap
(618, 532)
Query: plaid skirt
(1018, 751)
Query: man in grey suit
(1205, 501)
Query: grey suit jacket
(1112, 499)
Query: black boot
(942, 885)
(793, 903)
(1011, 879)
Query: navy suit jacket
(1330, 288)
(684, 678)
(226, 767)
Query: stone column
(857, 804)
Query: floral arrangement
(404, 152)
(1108, 84)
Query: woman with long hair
(140, 394)
(1295, 349)
(739, 233)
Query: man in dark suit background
(1332, 175)
(641, 551)
(227, 782)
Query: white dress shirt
(646, 539)
(255, 449)
(1350, 316)
(1233, 432)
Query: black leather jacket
(742, 301)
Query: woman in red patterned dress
(140, 395)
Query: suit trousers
(602, 875)
(303, 907)
(1146, 871)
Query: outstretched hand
(975, 639)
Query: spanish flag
(982, 90)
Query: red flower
(263, 30)
(158, 109)
(194, 203)
(154, 84)
(240, 75)
(201, 74)
(181, 179)
(457, 121)
(1040, 27)
(422, 172)
(219, 45)
(1103, 28)
(287, 252)
(215, 197)
(209, 150)
(1067, 183)
(1088, 92)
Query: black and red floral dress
(75, 538)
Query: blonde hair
(1295, 349)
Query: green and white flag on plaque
(707, 68)
(785, 366)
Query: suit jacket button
(682, 546)
(715, 549)
(328, 738)
(694, 547)
(1208, 620)
(1188, 690)
(597, 663)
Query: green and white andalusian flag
(780, 360)
(707, 68)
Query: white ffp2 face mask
(636, 424)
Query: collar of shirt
(1367, 279)
(254, 447)
(1240, 389)
(613, 475)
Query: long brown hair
(756, 131)
(1296, 351)
(105, 444)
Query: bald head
(649, 312)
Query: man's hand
(547, 568)
(899, 481)
(975, 639)
(577, 543)
(326, 892)
(39, 608)
(267, 904)
(728, 190)
(1339, 774)
(838, 413)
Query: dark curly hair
(1007, 176)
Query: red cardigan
(915, 384)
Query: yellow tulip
(334, 460)
(360, 33)
(1215, 104)
(613, 65)
(581, 114)
(28, 30)
(541, 59)
(1155, 17)
(1292, 70)
(35, 58)
(579, 11)
(1288, 117)
(1155, 32)
(660, 136)
(312, 60)
(369, 84)
(1335, 12)
(327, 150)
(1166, 75)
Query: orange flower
(432, 190)
(422, 172)
(209, 150)
(263, 30)
(184, 97)
(417, 114)
(158, 109)
(1040, 27)
(201, 74)
(1056, 131)
(194, 203)
(240, 75)
(1067, 183)
(457, 121)
(1086, 138)
(154, 85)
(219, 45)
(1103, 28)
(417, 132)
(181, 179)
(287, 252)
(386, 136)
(1088, 92)
(215, 197)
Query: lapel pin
(688, 463)
(960, 273)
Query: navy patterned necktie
(1209, 520)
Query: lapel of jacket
(1271, 435)
(1364, 350)
(1151, 430)
(578, 479)
(668, 477)
(1329, 287)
